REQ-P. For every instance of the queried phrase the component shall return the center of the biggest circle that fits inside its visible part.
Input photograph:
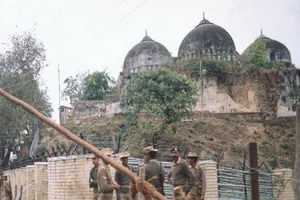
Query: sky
(96, 35)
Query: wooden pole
(16, 191)
(297, 156)
(253, 171)
(21, 191)
(142, 174)
(76, 139)
(244, 177)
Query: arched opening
(272, 56)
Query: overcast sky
(97, 34)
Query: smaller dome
(276, 51)
(146, 53)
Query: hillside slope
(211, 136)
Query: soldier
(93, 177)
(199, 174)
(182, 175)
(106, 185)
(154, 171)
(123, 193)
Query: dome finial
(146, 32)
(203, 15)
(261, 32)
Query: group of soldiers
(187, 178)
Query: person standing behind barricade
(93, 177)
(7, 188)
(183, 178)
(154, 171)
(123, 193)
(106, 185)
(199, 174)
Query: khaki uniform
(153, 172)
(105, 183)
(123, 193)
(182, 175)
(201, 181)
(93, 182)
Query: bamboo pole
(142, 177)
(77, 140)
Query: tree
(258, 56)
(74, 85)
(20, 68)
(97, 85)
(166, 94)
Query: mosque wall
(274, 93)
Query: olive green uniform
(105, 183)
(182, 175)
(154, 174)
(93, 182)
(124, 181)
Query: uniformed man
(123, 193)
(93, 177)
(199, 174)
(181, 175)
(106, 185)
(154, 171)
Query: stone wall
(272, 92)
(283, 184)
(84, 109)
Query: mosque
(208, 41)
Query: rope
(144, 187)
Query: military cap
(174, 149)
(192, 155)
(124, 155)
(149, 149)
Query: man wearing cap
(106, 185)
(154, 171)
(182, 175)
(123, 193)
(93, 177)
(199, 174)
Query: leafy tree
(97, 85)
(20, 68)
(85, 86)
(258, 56)
(74, 85)
(217, 68)
(162, 92)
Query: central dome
(146, 54)
(206, 36)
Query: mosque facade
(208, 41)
